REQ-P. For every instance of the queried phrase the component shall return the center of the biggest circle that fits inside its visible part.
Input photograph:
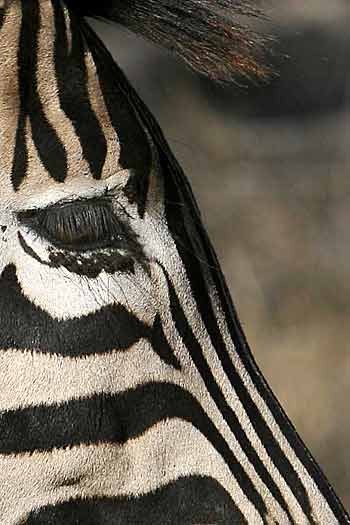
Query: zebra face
(126, 381)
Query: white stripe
(9, 94)
(32, 378)
(166, 452)
(48, 93)
(98, 106)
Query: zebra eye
(83, 225)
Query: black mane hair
(208, 35)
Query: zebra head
(128, 392)
(76, 171)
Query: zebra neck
(246, 424)
(251, 419)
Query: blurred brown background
(270, 168)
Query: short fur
(128, 393)
(204, 33)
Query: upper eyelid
(82, 190)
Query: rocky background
(270, 167)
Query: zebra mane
(204, 33)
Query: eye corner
(29, 215)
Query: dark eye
(83, 225)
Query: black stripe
(2, 17)
(186, 501)
(25, 66)
(196, 354)
(114, 419)
(50, 149)
(25, 326)
(161, 346)
(20, 160)
(135, 148)
(73, 92)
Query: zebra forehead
(63, 111)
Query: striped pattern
(128, 392)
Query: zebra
(128, 391)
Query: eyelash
(78, 226)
